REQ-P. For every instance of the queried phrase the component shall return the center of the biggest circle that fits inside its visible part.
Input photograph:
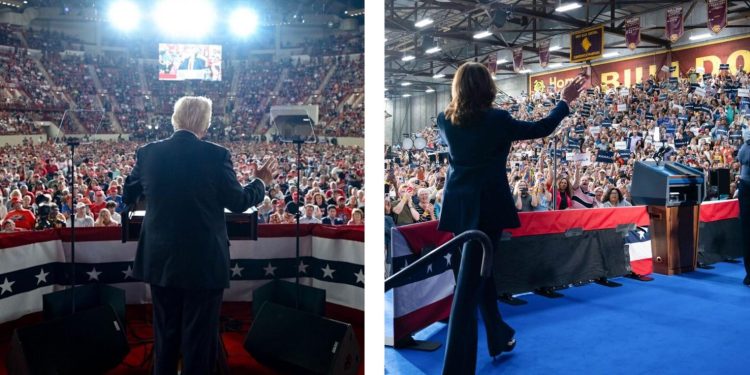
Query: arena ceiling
(526, 22)
(340, 8)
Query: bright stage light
(193, 18)
(124, 15)
(501, 61)
(432, 50)
(243, 22)
(610, 54)
(439, 75)
(555, 48)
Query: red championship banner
(544, 53)
(717, 15)
(517, 59)
(675, 26)
(633, 32)
(628, 71)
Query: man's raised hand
(265, 171)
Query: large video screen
(179, 62)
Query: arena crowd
(35, 191)
(118, 91)
(608, 130)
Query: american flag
(36, 263)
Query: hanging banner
(544, 53)
(492, 63)
(717, 15)
(586, 44)
(517, 59)
(632, 32)
(675, 26)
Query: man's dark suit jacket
(187, 184)
(198, 63)
(477, 193)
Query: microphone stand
(297, 214)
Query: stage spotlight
(125, 15)
(193, 18)
(243, 22)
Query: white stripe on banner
(26, 256)
(342, 294)
(639, 250)
(22, 304)
(270, 248)
(102, 251)
(414, 296)
(339, 250)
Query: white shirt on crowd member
(82, 222)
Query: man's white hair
(192, 113)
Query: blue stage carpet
(697, 323)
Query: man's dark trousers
(195, 313)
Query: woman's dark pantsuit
(473, 290)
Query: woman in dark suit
(744, 197)
(476, 190)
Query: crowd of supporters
(126, 85)
(609, 129)
(36, 191)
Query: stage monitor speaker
(298, 342)
(720, 178)
(57, 304)
(87, 342)
(282, 292)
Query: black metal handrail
(469, 235)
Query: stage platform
(695, 323)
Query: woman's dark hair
(605, 198)
(473, 91)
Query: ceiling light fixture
(423, 23)
(567, 7)
(482, 34)
(700, 36)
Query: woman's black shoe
(747, 280)
(508, 348)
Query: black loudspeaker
(87, 342)
(57, 304)
(306, 298)
(720, 178)
(298, 342)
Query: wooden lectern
(673, 193)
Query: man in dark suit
(183, 251)
(477, 196)
(193, 62)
